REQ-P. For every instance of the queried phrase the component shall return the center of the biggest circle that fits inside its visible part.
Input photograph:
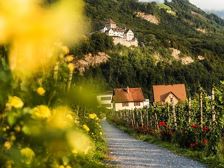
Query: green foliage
(5, 78)
(97, 42)
(137, 67)
(57, 126)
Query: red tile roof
(160, 92)
(121, 95)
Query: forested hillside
(182, 27)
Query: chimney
(127, 89)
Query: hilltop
(178, 42)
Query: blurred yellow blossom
(71, 67)
(14, 102)
(26, 130)
(62, 118)
(92, 116)
(12, 137)
(69, 58)
(65, 49)
(17, 128)
(31, 40)
(9, 164)
(68, 166)
(28, 155)
(41, 91)
(65, 160)
(79, 142)
(101, 133)
(41, 112)
(7, 145)
(85, 127)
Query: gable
(160, 92)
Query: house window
(105, 98)
(107, 105)
(125, 104)
(136, 103)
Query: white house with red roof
(171, 94)
(128, 99)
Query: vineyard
(196, 124)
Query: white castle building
(121, 36)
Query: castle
(121, 36)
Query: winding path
(127, 152)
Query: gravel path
(127, 152)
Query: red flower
(193, 145)
(162, 123)
(205, 141)
(194, 126)
(205, 129)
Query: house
(128, 99)
(105, 100)
(118, 32)
(129, 35)
(171, 94)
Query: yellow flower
(101, 133)
(7, 145)
(68, 166)
(92, 116)
(35, 37)
(71, 67)
(41, 112)
(17, 128)
(62, 118)
(61, 166)
(12, 138)
(41, 91)
(28, 155)
(15, 102)
(79, 142)
(69, 58)
(9, 164)
(65, 49)
(85, 127)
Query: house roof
(116, 30)
(128, 30)
(110, 21)
(160, 92)
(121, 95)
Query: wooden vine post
(147, 117)
(141, 118)
(156, 117)
(201, 107)
(189, 110)
(174, 114)
(213, 106)
(168, 114)
(131, 118)
(135, 118)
